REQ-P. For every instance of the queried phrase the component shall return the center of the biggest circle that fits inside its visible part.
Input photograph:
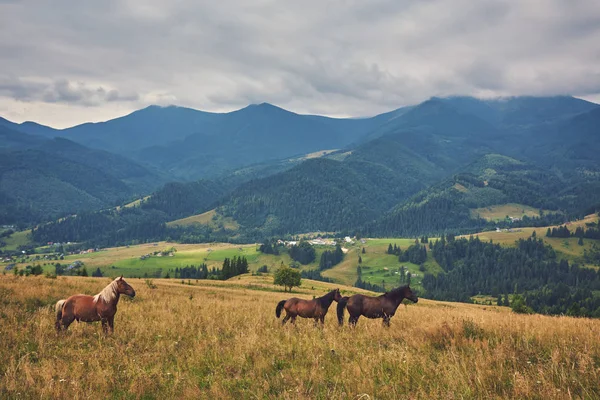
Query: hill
(491, 180)
(43, 179)
(168, 343)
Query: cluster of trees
(415, 253)
(235, 266)
(560, 232)
(28, 270)
(76, 269)
(592, 255)
(559, 298)
(269, 247)
(475, 267)
(193, 272)
(564, 232)
(331, 258)
(303, 252)
(315, 275)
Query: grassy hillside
(222, 340)
(566, 248)
(210, 218)
(470, 199)
(501, 211)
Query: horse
(383, 306)
(315, 308)
(101, 307)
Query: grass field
(499, 212)
(126, 260)
(377, 265)
(15, 240)
(221, 340)
(211, 218)
(566, 248)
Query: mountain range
(256, 167)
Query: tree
(97, 273)
(518, 305)
(580, 241)
(363, 250)
(287, 277)
(359, 259)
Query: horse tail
(58, 308)
(279, 308)
(340, 309)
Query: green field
(211, 218)
(15, 240)
(500, 212)
(378, 267)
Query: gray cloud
(340, 57)
(61, 91)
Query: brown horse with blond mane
(383, 306)
(101, 307)
(315, 308)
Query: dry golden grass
(222, 340)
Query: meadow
(500, 212)
(213, 339)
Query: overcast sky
(67, 62)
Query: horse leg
(294, 320)
(65, 321)
(287, 316)
(322, 319)
(386, 321)
(353, 320)
(111, 324)
(104, 325)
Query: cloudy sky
(67, 62)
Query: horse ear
(121, 278)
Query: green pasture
(12, 242)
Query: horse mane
(109, 293)
(330, 294)
(394, 293)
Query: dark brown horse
(383, 306)
(101, 307)
(315, 308)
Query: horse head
(337, 296)
(124, 287)
(409, 294)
